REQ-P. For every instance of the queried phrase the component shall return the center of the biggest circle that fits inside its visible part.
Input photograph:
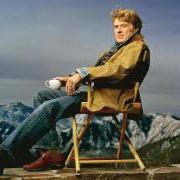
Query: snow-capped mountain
(11, 115)
(102, 132)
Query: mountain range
(154, 130)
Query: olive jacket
(113, 80)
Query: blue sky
(42, 39)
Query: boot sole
(51, 167)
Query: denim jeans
(51, 105)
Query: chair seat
(134, 108)
(104, 110)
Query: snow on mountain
(11, 115)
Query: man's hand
(71, 83)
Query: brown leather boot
(50, 159)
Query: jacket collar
(138, 37)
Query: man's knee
(40, 97)
(47, 94)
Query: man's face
(122, 30)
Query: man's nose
(119, 30)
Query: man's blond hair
(128, 15)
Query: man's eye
(124, 25)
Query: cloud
(19, 90)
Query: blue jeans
(51, 105)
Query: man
(126, 62)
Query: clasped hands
(70, 82)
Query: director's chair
(74, 153)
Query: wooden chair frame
(77, 137)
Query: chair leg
(80, 136)
(130, 145)
(76, 151)
(122, 134)
(121, 138)
(134, 152)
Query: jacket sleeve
(121, 66)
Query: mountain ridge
(102, 133)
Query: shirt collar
(115, 46)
